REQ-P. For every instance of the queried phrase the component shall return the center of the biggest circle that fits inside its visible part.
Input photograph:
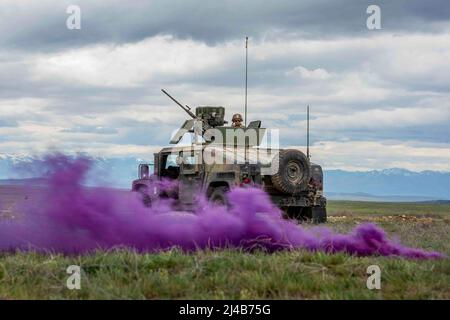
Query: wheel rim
(294, 173)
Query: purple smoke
(70, 218)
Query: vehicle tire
(290, 212)
(306, 214)
(319, 214)
(293, 172)
(145, 197)
(295, 212)
(219, 196)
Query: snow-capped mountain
(390, 182)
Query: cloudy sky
(379, 98)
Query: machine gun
(210, 117)
(185, 108)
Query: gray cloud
(41, 25)
(7, 122)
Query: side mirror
(144, 171)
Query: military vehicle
(293, 183)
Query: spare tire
(293, 172)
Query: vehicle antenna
(307, 133)
(246, 79)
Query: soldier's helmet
(237, 120)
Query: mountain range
(377, 185)
(391, 183)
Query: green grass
(387, 208)
(238, 275)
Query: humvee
(292, 182)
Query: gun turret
(214, 116)
(210, 117)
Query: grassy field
(387, 208)
(239, 275)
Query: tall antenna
(307, 133)
(246, 79)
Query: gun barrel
(181, 106)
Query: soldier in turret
(237, 121)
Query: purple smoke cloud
(71, 218)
